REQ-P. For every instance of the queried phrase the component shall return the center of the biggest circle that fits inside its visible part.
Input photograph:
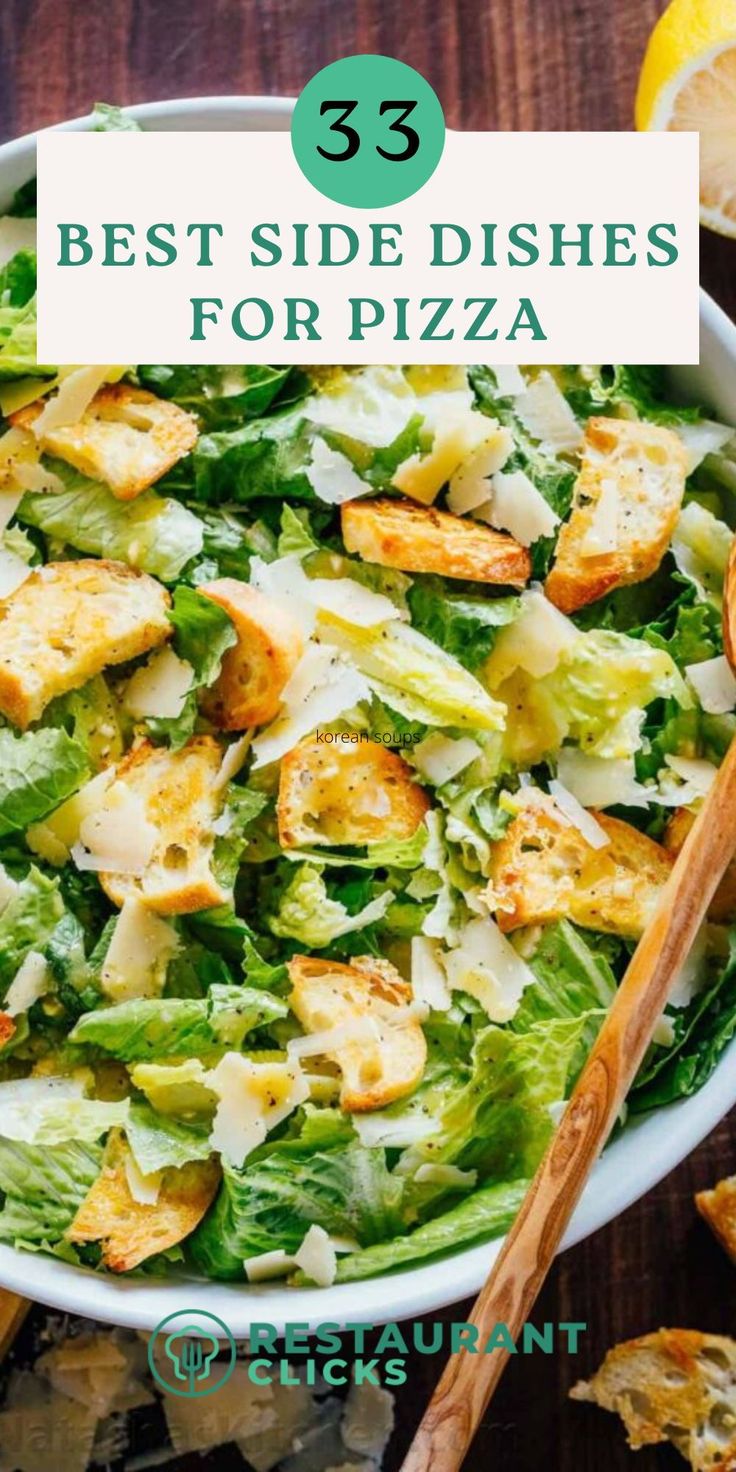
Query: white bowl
(648, 1148)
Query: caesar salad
(350, 723)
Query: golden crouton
(126, 437)
(627, 501)
(420, 539)
(543, 870)
(723, 904)
(256, 669)
(66, 622)
(340, 793)
(718, 1208)
(386, 1058)
(676, 1385)
(130, 1231)
(176, 788)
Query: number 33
(352, 137)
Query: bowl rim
(633, 1164)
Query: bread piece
(256, 669)
(723, 904)
(718, 1209)
(347, 794)
(386, 1059)
(640, 470)
(675, 1385)
(176, 789)
(126, 437)
(543, 870)
(69, 620)
(128, 1231)
(420, 539)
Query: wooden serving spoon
(468, 1382)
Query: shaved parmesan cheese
(158, 690)
(144, 1189)
(117, 837)
(332, 476)
(440, 758)
(286, 581)
(356, 1030)
(457, 437)
(267, 1265)
(602, 782)
(54, 838)
(47, 1429)
(602, 533)
(577, 815)
(377, 1129)
(351, 602)
(232, 761)
(664, 1032)
(535, 641)
(445, 1175)
(486, 966)
(253, 1099)
(140, 950)
(516, 506)
(469, 486)
(33, 476)
(701, 439)
(546, 414)
(317, 1257)
(30, 982)
(696, 779)
(372, 407)
(13, 572)
(74, 397)
(714, 684)
(16, 233)
(428, 980)
(322, 686)
(510, 380)
(368, 1420)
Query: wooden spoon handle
(13, 1310)
(468, 1381)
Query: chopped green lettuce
(158, 536)
(150, 1028)
(27, 922)
(38, 771)
(307, 914)
(221, 397)
(464, 626)
(158, 1142)
(320, 1178)
(43, 1189)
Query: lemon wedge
(688, 82)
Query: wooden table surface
(536, 64)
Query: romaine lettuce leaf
(221, 397)
(158, 1142)
(702, 1030)
(410, 670)
(202, 633)
(485, 1214)
(464, 626)
(150, 1028)
(306, 913)
(43, 1189)
(27, 922)
(318, 1179)
(38, 771)
(158, 536)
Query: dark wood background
(536, 64)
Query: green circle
(187, 1327)
(362, 85)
